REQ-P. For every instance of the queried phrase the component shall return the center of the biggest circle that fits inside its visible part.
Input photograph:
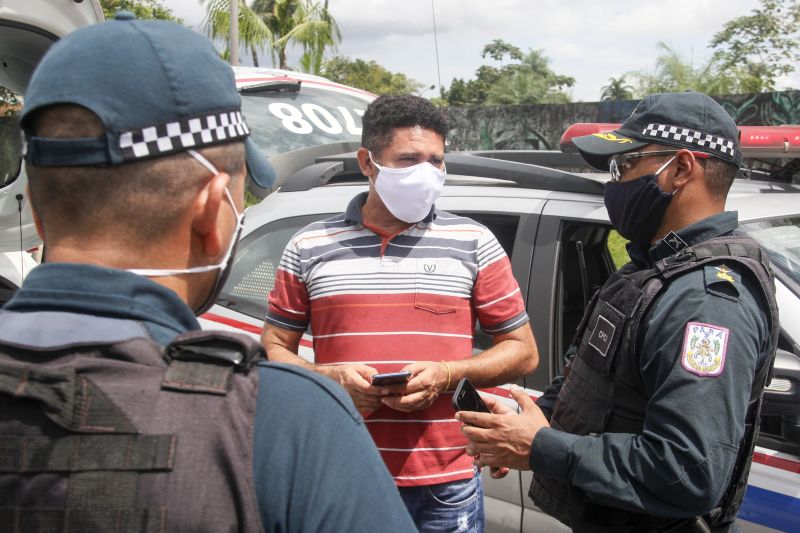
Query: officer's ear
(686, 169)
(207, 211)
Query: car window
(781, 238)
(282, 121)
(10, 148)
(585, 263)
(257, 257)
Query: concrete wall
(539, 126)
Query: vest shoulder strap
(205, 361)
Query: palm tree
(278, 24)
(616, 90)
(253, 33)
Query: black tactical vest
(103, 430)
(603, 393)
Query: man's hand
(504, 438)
(356, 380)
(428, 380)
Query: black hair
(388, 112)
(719, 176)
(139, 202)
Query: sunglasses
(618, 164)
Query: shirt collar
(675, 241)
(90, 289)
(352, 214)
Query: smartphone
(466, 398)
(391, 378)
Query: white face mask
(222, 265)
(409, 193)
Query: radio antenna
(436, 46)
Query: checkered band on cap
(704, 141)
(183, 134)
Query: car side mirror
(782, 395)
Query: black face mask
(636, 207)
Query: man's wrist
(550, 453)
(449, 381)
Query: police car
(554, 227)
(285, 110)
(552, 223)
(27, 29)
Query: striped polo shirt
(390, 302)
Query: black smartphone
(391, 378)
(466, 398)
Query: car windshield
(10, 148)
(282, 121)
(781, 238)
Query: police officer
(652, 425)
(116, 412)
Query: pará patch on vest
(722, 280)
(704, 349)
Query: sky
(587, 39)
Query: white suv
(554, 227)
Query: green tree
(674, 74)
(524, 79)
(278, 24)
(9, 101)
(143, 9)
(253, 33)
(616, 89)
(369, 75)
(762, 46)
(498, 49)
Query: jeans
(456, 506)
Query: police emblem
(724, 273)
(704, 349)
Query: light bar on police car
(756, 141)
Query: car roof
(249, 77)
(753, 199)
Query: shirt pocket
(440, 285)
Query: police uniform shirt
(698, 352)
(298, 459)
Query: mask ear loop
(661, 169)
(161, 272)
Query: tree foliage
(9, 101)
(277, 25)
(617, 89)
(369, 75)
(762, 46)
(750, 54)
(525, 78)
(143, 9)
(673, 73)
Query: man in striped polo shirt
(395, 284)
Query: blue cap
(689, 120)
(158, 88)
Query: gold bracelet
(448, 375)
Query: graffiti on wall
(539, 126)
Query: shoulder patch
(722, 281)
(704, 349)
